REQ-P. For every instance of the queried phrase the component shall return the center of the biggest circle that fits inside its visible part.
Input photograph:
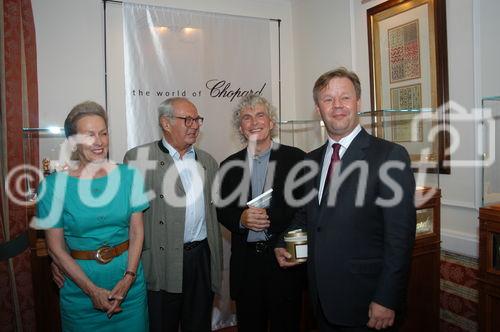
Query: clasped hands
(102, 299)
(255, 219)
(109, 301)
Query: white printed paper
(261, 201)
(301, 251)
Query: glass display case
(489, 217)
(42, 149)
(52, 148)
(418, 130)
(43, 152)
(410, 128)
(425, 221)
(415, 129)
(306, 135)
(490, 150)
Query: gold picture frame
(408, 71)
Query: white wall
(321, 35)
(70, 54)
(488, 26)
(70, 45)
(459, 214)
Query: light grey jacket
(162, 254)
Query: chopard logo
(222, 89)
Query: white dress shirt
(344, 145)
(195, 228)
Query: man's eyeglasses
(188, 121)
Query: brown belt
(103, 255)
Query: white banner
(212, 59)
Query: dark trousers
(271, 297)
(191, 309)
(325, 326)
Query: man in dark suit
(361, 220)
(266, 296)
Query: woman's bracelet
(130, 273)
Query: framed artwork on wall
(408, 72)
(405, 128)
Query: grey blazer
(162, 254)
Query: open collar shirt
(195, 228)
(258, 164)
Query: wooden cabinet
(489, 268)
(45, 291)
(422, 313)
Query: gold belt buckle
(99, 255)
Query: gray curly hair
(251, 101)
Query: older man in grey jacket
(182, 252)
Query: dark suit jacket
(280, 213)
(359, 254)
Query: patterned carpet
(459, 293)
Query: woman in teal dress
(94, 230)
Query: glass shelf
(410, 128)
(406, 127)
(41, 154)
(415, 129)
(50, 145)
(303, 134)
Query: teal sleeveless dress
(93, 213)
